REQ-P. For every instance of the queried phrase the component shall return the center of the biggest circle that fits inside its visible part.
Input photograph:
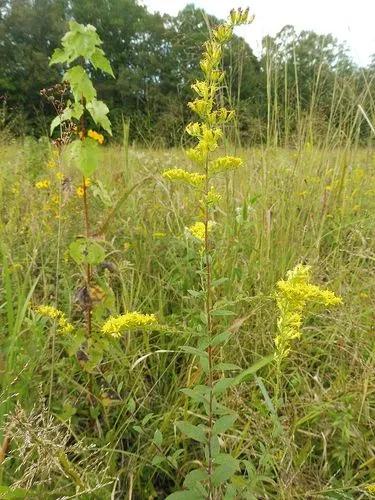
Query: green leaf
(224, 423)
(220, 338)
(224, 472)
(158, 438)
(196, 394)
(222, 385)
(80, 84)
(13, 493)
(219, 281)
(226, 367)
(58, 56)
(222, 312)
(73, 343)
(253, 368)
(80, 41)
(157, 460)
(193, 481)
(195, 476)
(85, 155)
(100, 61)
(99, 111)
(192, 431)
(195, 351)
(86, 251)
(185, 495)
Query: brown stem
(209, 328)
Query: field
(77, 425)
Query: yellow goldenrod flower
(179, 174)
(225, 163)
(213, 196)
(57, 315)
(96, 136)
(115, 325)
(44, 184)
(198, 230)
(292, 296)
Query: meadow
(283, 207)
(89, 411)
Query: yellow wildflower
(57, 315)
(51, 164)
(292, 296)
(96, 136)
(371, 488)
(179, 174)
(213, 196)
(115, 325)
(80, 191)
(198, 230)
(59, 176)
(44, 184)
(225, 163)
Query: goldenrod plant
(293, 295)
(214, 477)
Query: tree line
(303, 84)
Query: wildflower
(224, 164)
(80, 191)
(371, 488)
(213, 196)
(59, 176)
(96, 136)
(115, 325)
(292, 296)
(179, 174)
(51, 164)
(198, 230)
(43, 184)
(57, 315)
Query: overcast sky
(353, 21)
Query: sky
(348, 20)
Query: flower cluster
(292, 297)
(179, 174)
(208, 130)
(57, 315)
(80, 189)
(198, 230)
(96, 136)
(115, 325)
(43, 184)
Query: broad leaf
(100, 61)
(222, 385)
(224, 423)
(192, 431)
(80, 83)
(99, 111)
(85, 155)
(86, 251)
